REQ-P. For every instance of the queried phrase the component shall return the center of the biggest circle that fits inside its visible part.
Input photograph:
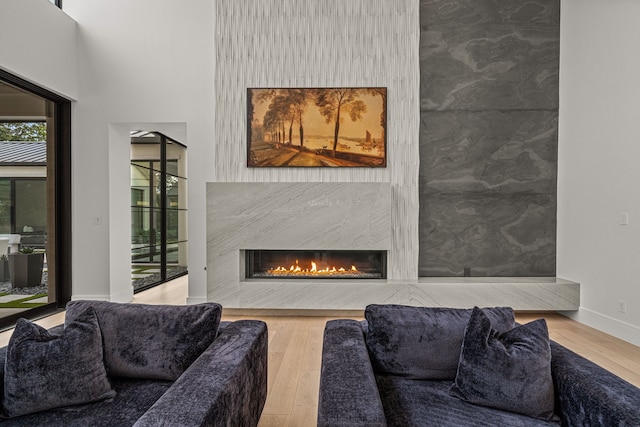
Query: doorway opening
(158, 209)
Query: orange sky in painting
(315, 124)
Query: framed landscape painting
(317, 127)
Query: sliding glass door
(158, 209)
(35, 200)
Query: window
(35, 200)
(23, 209)
(158, 209)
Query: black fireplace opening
(315, 264)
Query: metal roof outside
(32, 153)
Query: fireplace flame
(296, 269)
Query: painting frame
(290, 127)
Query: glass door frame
(162, 205)
(59, 255)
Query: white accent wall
(325, 43)
(598, 165)
(144, 64)
(38, 44)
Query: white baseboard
(616, 327)
(196, 300)
(91, 297)
(124, 297)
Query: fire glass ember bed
(315, 264)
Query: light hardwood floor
(295, 348)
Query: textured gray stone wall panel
(494, 235)
(489, 151)
(488, 137)
(542, 14)
(482, 55)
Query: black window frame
(62, 211)
(162, 207)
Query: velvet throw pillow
(509, 371)
(152, 341)
(422, 342)
(44, 371)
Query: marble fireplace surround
(292, 216)
(339, 216)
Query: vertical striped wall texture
(325, 43)
(488, 137)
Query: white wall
(38, 44)
(146, 65)
(598, 167)
(326, 43)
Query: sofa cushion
(152, 341)
(422, 342)
(409, 402)
(133, 399)
(510, 371)
(44, 371)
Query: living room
(114, 74)
(184, 71)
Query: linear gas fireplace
(315, 264)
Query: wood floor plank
(173, 292)
(267, 420)
(312, 358)
(282, 335)
(284, 386)
(274, 364)
(305, 408)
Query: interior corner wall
(320, 43)
(147, 63)
(38, 44)
(599, 148)
(120, 289)
(488, 137)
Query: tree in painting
(286, 105)
(299, 101)
(334, 102)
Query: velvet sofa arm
(348, 391)
(225, 386)
(589, 395)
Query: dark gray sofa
(354, 392)
(226, 384)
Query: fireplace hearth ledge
(522, 293)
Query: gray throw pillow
(152, 341)
(422, 342)
(44, 371)
(510, 371)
